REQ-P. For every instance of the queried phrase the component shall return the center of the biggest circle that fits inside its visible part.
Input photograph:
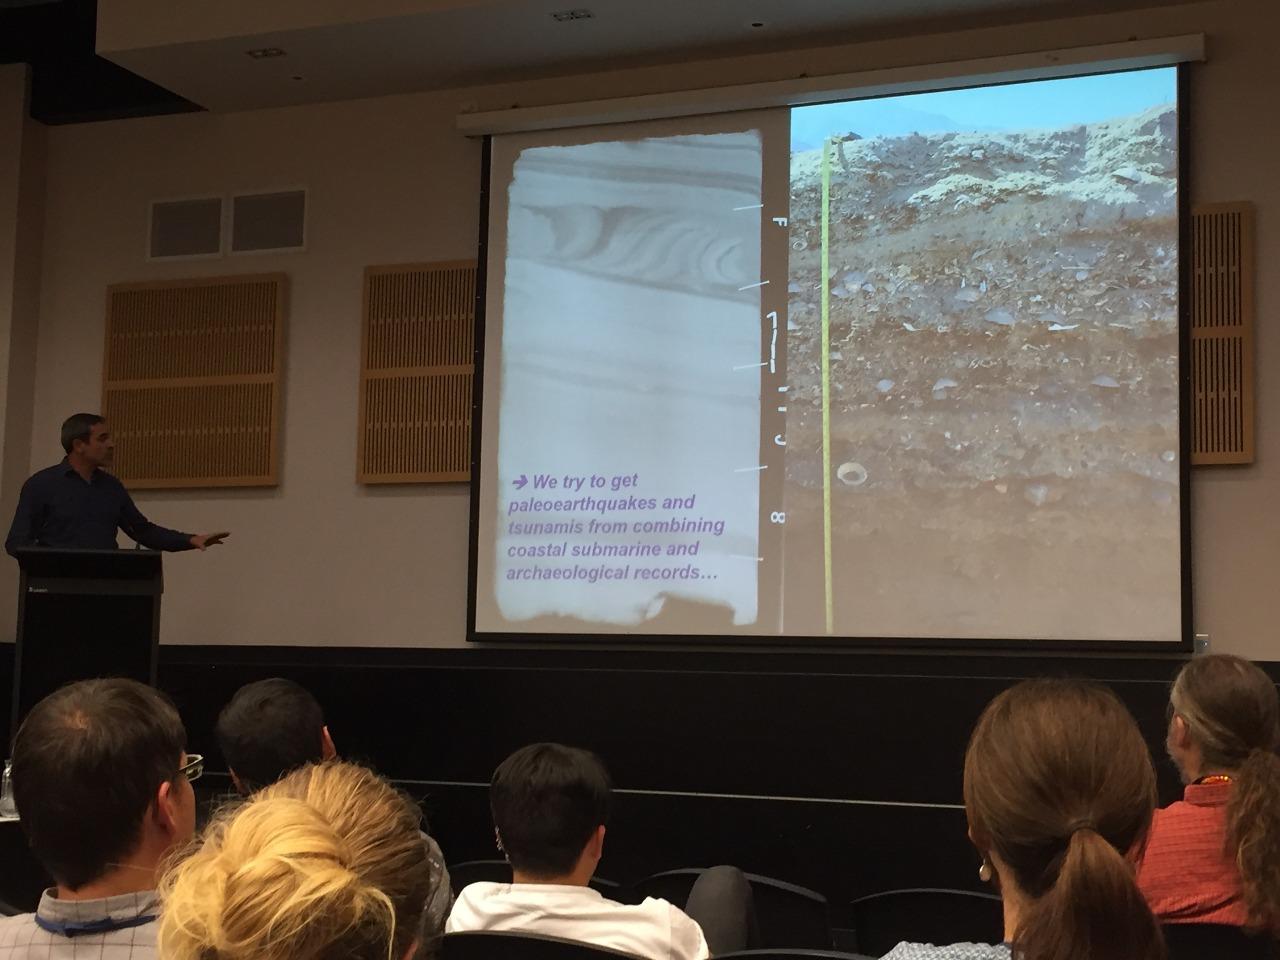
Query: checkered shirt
(954, 951)
(22, 939)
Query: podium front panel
(77, 636)
(84, 614)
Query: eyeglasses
(193, 769)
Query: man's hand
(202, 541)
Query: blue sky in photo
(1035, 105)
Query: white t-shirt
(653, 929)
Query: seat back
(1215, 941)
(521, 946)
(925, 915)
(788, 915)
(23, 879)
(672, 886)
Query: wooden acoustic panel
(1222, 332)
(192, 379)
(416, 371)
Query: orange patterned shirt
(1185, 872)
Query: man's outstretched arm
(152, 535)
(202, 541)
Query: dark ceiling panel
(70, 82)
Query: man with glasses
(102, 781)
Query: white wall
(13, 102)
(323, 560)
(22, 166)
(319, 559)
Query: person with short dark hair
(77, 503)
(549, 802)
(102, 782)
(550, 807)
(269, 728)
(272, 727)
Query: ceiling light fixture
(266, 53)
(564, 16)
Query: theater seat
(1215, 941)
(478, 871)
(925, 915)
(520, 946)
(789, 915)
(22, 878)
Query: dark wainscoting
(6, 691)
(839, 770)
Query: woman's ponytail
(1093, 909)
(1253, 836)
(1059, 789)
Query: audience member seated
(326, 864)
(550, 805)
(271, 727)
(1059, 790)
(1214, 856)
(102, 784)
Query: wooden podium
(81, 614)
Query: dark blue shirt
(57, 508)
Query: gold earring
(984, 871)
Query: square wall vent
(185, 228)
(269, 221)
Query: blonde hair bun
(327, 863)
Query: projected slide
(895, 368)
(632, 270)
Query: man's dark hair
(547, 801)
(269, 728)
(79, 426)
(87, 763)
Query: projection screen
(905, 368)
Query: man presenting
(76, 503)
